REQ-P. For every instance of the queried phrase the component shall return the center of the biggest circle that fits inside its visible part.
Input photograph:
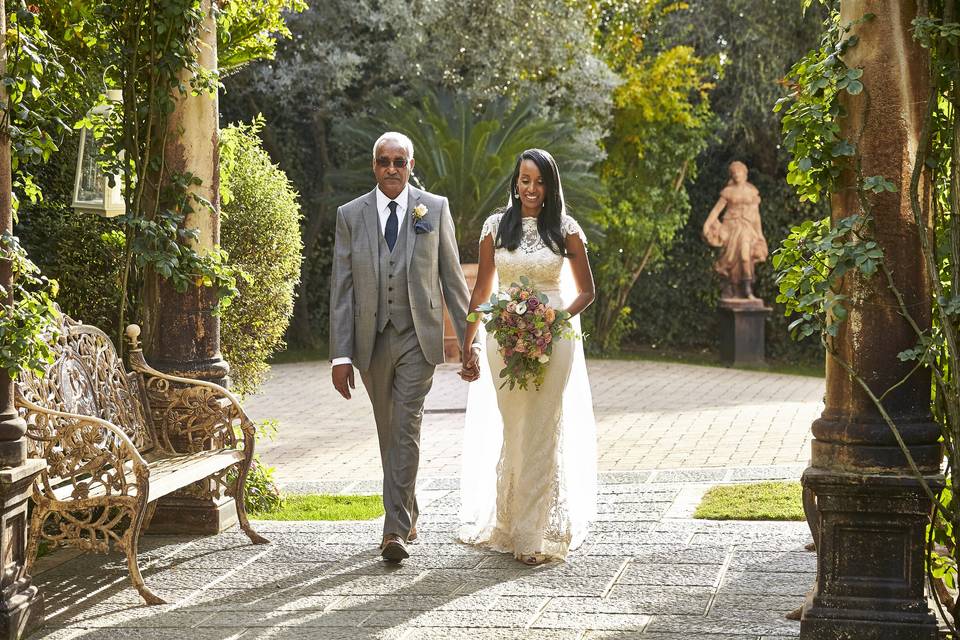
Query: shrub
(261, 494)
(260, 230)
(260, 491)
(82, 251)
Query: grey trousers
(397, 382)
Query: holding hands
(470, 369)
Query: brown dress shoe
(393, 549)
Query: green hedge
(82, 251)
(260, 230)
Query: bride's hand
(470, 370)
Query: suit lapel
(371, 220)
(413, 199)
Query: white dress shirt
(383, 211)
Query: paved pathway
(650, 415)
(646, 571)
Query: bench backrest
(87, 377)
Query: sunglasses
(398, 163)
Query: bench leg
(130, 544)
(148, 516)
(242, 470)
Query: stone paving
(646, 571)
(650, 415)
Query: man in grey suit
(395, 263)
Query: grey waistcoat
(394, 301)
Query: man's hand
(470, 370)
(343, 379)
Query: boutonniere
(419, 224)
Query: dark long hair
(548, 222)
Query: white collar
(401, 200)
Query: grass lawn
(325, 507)
(754, 501)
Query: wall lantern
(92, 192)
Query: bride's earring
(516, 194)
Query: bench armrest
(91, 454)
(194, 415)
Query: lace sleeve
(490, 226)
(569, 226)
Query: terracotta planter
(451, 346)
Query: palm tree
(467, 152)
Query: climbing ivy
(30, 117)
(813, 260)
(816, 258)
(27, 325)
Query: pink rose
(521, 347)
(524, 295)
(511, 306)
(533, 303)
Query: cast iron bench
(115, 442)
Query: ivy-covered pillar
(21, 603)
(871, 510)
(187, 340)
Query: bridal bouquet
(525, 327)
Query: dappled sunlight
(638, 570)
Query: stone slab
(325, 580)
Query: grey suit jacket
(433, 276)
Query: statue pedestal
(742, 331)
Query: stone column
(187, 340)
(871, 510)
(187, 336)
(21, 603)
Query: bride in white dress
(529, 466)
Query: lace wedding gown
(529, 478)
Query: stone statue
(738, 234)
